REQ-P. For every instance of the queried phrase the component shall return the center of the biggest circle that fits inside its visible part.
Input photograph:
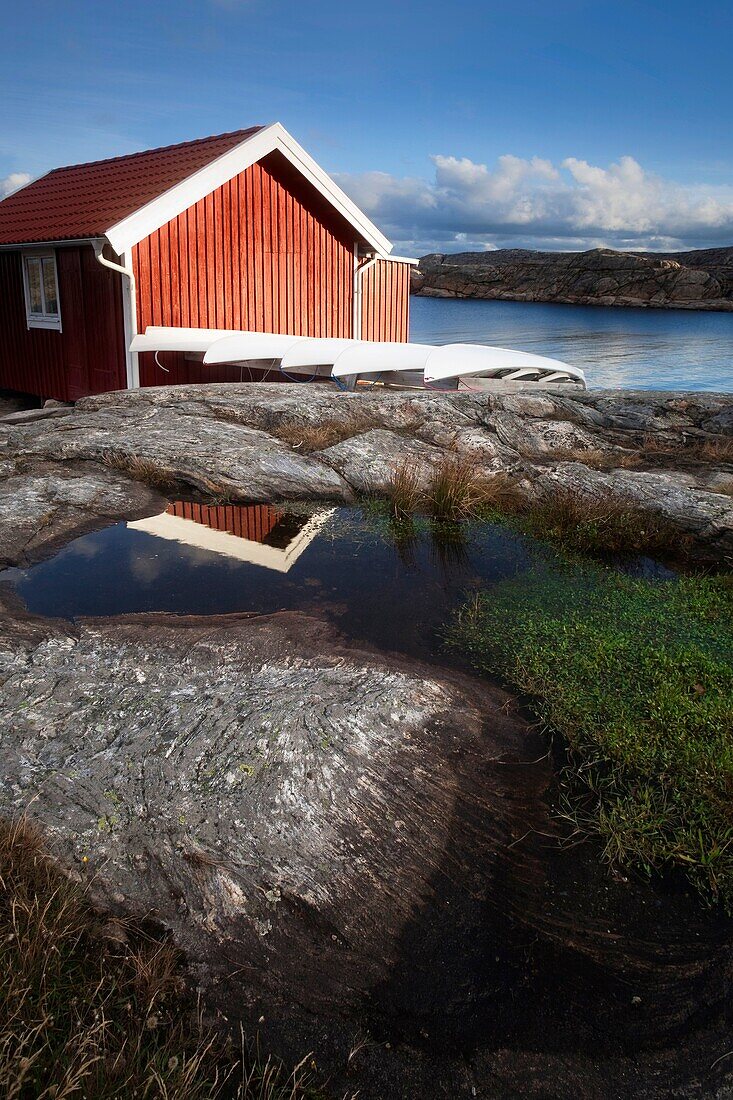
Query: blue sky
(548, 123)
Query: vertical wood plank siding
(385, 306)
(259, 253)
(88, 355)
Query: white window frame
(41, 320)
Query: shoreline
(700, 279)
(723, 306)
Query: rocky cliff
(701, 279)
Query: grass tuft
(715, 449)
(456, 489)
(96, 1008)
(405, 491)
(141, 469)
(317, 437)
(608, 527)
(617, 459)
(452, 491)
(637, 677)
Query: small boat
(354, 364)
(478, 362)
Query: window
(41, 285)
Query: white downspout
(359, 269)
(128, 303)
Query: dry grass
(598, 459)
(716, 450)
(98, 1009)
(456, 490)
(453, 490)
(603, 527)
(405, 490)
(141, 469)
(317, 437)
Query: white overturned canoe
(309, 352)
(374, 357)
(468, 360)
(243, 347)
(163, 338)
(401, 365)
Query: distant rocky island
(701, 279)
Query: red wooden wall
(259, 253)
(88, 355)
(385, 301)
(264, 252)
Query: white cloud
(13, 182)
(534, 203)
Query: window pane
(50, 292)
(35, 301)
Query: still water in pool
(195, 559)
(392, 589)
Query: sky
(560, 124)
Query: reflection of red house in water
(256, 533)
(246, 521)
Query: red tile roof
(85, 200)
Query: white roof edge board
(273, 138)
(308, 351)
(402, 260)
(456, 360)
(238, 347)
(376, 357)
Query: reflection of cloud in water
(84, 548)
(150, 567)
(145, 569)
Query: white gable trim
(134, 228)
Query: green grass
(637, 677)
(98, 1009)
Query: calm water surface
(396, 592)
(655, 349)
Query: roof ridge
(155, 149)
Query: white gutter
(14, 246)
(359, 269)
(128, 309)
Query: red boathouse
(241, 231)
